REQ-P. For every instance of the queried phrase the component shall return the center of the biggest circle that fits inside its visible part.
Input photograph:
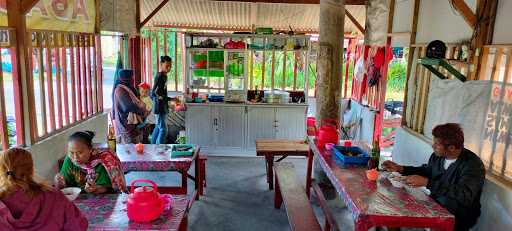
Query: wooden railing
(9, 92)
(497, 63)
(65, 78)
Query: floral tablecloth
(378, 203)
(156, 157)
(108, 212)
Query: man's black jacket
(457, 188)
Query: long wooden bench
(298, 207)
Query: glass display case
(235, 75)
(206, 70)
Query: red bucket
(327, 134)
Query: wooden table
(157, 157)
(279, 147)
(379, 203)
(108, 212)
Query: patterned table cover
(156, 157)
(379, 203)
(108, 212)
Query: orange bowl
(372, 174)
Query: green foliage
(396, 76)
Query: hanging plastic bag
(359, 69)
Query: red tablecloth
(108, 212)
(379, 203)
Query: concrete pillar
(329, 66)
(330, 59)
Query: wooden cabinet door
(199, 126)
(290, 123)
(260, 124)
(229, 124)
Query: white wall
(496, 200)
(47, 152)
(502, 25)
(438, 21)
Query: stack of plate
(276, 96)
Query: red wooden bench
(298, 207)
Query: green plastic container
(264, 30)
(179, 153)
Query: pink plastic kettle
(144, 203)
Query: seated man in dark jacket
(454, 175)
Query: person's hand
(59, 181)
(90, 188)
(392, 166)
(416, 181)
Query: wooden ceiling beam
(465, 12)
(156, 10)
(26, 5)
(354, 21)
(347, 2)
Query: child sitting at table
(26, 204)
(149, 124)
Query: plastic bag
(359, 69)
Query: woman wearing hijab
(128, 109)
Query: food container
(179, 150)
(396, 179)
(396, 183)
(343, 154)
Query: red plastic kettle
(144, 203)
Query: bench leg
(278, 198)
(203, 172)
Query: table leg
(184, 178)
(199, 180)
(308, 173)
(184, 224)
(266, 167)
(271, 172)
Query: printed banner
(497, 134)
(58, 15)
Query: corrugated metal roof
(242, 15)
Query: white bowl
(71, 193)
(396, 183)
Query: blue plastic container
(339, 151)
